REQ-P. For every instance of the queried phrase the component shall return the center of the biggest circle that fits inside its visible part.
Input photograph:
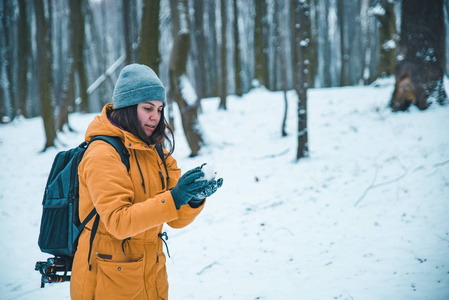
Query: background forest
(70, 52)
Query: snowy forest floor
(366, 216)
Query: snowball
(209, 172)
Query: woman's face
(149, 115)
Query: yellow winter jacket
(131, 205)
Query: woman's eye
(148, 108)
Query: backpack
(60, 223)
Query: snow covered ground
(366, 216)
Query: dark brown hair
(126, 118)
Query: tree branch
(374, 186)
(207, 267)
(441, 164)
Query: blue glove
(188, 186)
(207, 191)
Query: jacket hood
(101, 125)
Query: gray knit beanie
(135, 84)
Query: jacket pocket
(119, 280)
(161, 276)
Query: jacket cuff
(195, 203)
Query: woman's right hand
(188, 186)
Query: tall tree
(300, 28)
(352, 57)
(313, 44)
(237, 63)
(127, 33)
(4, 118)
(446, 14)
(67, 97)
(324, 44)
(387, 20)
(74, 65)
(213, 62)
(260, 51)
(280, 40)
(199, 56)
(24, 50)
(421, 59)
(149, 35)
(98, 58)
(8, 52)
(181, 89)
(371, 47)
(78, 47)
(44, 63)
(344, 43)
(223, 60)
(3, 114)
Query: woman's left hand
(210, 189)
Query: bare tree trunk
(4, 116)
(213, 86)
(421, 59)
(79, 52)
(344, 43)
(126, 11)
(280, 40)
(199, 61)
(371, 46)
(180, 86)
(149, 35)
(3, 110)
(387, 39)
(266, 42)
(237, 67)
(446, 17)
(100, 57)
(68, 91)
(74, 64)
(357, 50)
(223, 60)
(60, 57)
(44, 63)
(24, 49)
(324, 44)
(300, 26)
(260, 59)
(7, 20)
(313, 44)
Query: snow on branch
(378, 10)
(183, 22)
(102, 77)
(105, 75)
(187, 91)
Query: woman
(127, 261)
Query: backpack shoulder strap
(160, 152)
(117, 143)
